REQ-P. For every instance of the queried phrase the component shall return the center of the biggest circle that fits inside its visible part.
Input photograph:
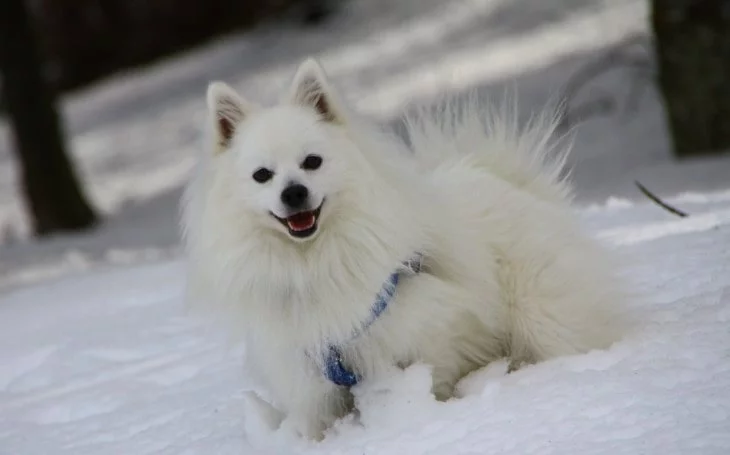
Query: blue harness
(334, 370)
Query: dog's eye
(262, 175)
(312, 162)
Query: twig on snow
(659, 202)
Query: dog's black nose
(295, 196)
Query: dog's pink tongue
(301, 221)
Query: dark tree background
(87, 39)
(693, 54)
(51, 189)
(48, 46)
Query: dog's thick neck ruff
(334, 369)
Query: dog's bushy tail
(527, 154)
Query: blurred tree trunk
(693, 52)
(51, 189)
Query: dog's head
(288, 163)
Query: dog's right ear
(226, 110)
(311, 88)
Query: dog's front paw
(518, 363)
(260, 416)
(302, 427)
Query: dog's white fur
(508, 271)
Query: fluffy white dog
(338, 251)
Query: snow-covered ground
(97, 353)
(109, 363)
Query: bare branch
(620, 57)
(659, 202)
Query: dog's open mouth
(301, 224)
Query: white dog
(338, 251)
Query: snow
(111, 362)
(98, 354)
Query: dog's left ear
(311, 88)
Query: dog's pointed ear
(311, 88)
(226, 110)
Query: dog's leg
(561, 293)
(315, 408)
(557, 320)
(260, 414)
